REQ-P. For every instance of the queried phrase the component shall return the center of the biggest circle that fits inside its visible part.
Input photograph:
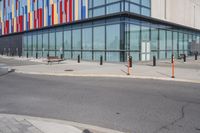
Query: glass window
(29, 42)
(113, 37)
(175, 40)
(98, 3)
(59, 43)
(135, 8)
(145, 34)
(90, 3)
(135, 1)
(34, 42)
(67, 44)
(45, 42)
(146, 3)
(87, 55)
(185, 46)
(162, 39)
(25, 42)
(162, 42)
(67, 40)
(145, 11)
(154, 39)
(76, 35)
(52, 41)
(99, 11)
(34, 45)
(59, 40)
(134, 37)
(39, 41)
(169, 40)
(180, 42)
(99, 38)
(113, 42)
(87, 38)
(113, 56)
(24, 45)
(113, 8)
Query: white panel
(143, 47)
(184, 12)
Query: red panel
(52, 14)
(21, 23)
(70, 11)
(61, 15)
(29, 21)
(40, 18)
(34, 18)
(66, 9)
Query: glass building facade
(113, 29)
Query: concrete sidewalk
(186, 72)
(26, 124)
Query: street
(128, 105)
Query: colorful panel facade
(23, 15)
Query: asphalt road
(129, 105)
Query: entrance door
(146, 51)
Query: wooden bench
(181, 56)
(52, 59)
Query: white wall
(184, 12)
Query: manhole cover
(198, 129)
(69, 70)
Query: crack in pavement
(174, 121)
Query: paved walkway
(19, 124)
(26, 124)
(186, 72)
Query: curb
(110, 76)
(94, 129)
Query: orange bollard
(173, 67)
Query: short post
(128, 73)
(37, 55)
(61, 56)
(184, 58)
(172, 58)
(101, 60)
(173, 67)
(79, 59)
(154, 61)
(130, 61)
(196, 56)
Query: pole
(184, 58)
(154, 60)
(79, 59)
(130, 61)
(101, 60)
(173, 67)
(128, 66)
(196, 56)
